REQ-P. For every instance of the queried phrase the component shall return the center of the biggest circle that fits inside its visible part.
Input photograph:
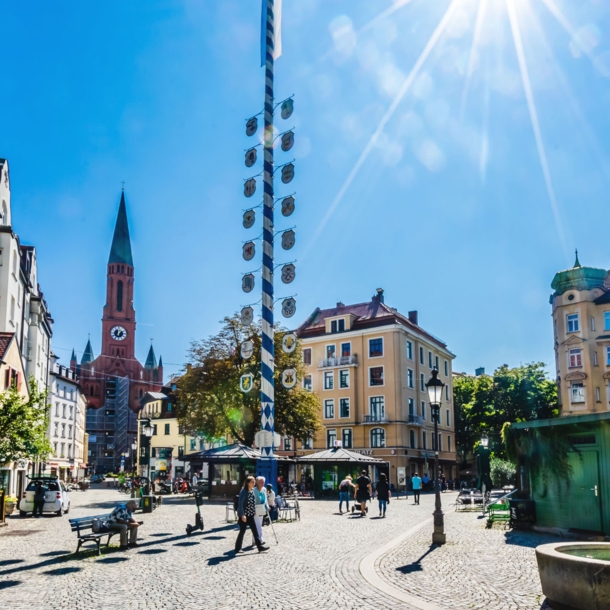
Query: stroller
(358, 507)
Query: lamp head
(435, 388)
(484, 441)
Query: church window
(119, 296)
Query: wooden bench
(84, 524)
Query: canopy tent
(339, 455)
(229, 454)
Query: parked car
(56, 495)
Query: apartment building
(581, 326)
(369, 364)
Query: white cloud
(344, 37)
(430, 155)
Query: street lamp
(435, 394)
(148, 429)
(134, 461)
(483, 464)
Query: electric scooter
(198, 518)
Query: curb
(369, 573)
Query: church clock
(118, 333)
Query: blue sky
(455, 165)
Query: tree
(23, 425)
(485, 404)
(211, 403)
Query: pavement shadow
(214, 561)
(152, 551)
(416, 566)
(161, 535)
(112, 560)
(5, 584)
(214, 537)
(186, 543)
(53, 554)
(529, 539)
(62, 571)
(10, 562)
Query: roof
(120, 252)
(229, 453)
(567, 420)
(154, 396)
(371, 314)
(5, 341)
(151, 359)
(603, 299)
(339, 454)
(87, 354)
(578, 278)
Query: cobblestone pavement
(315, 566)
(478, 568)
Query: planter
(9, 507)
(575, 576)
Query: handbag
(99, 527)
(261, 510)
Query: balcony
(374, 419)
(577, 395)
(415, 420)
(327, 363)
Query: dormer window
(337, 326)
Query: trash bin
(147, 504)
(522, 512)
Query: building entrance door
(584, 491)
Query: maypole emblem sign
(246, 382)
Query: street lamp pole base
(438, 536)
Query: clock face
(118, 333)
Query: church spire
(73, 357)
(87, 354)
(577, 262)
(151, 359)
(121, 244)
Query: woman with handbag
(246, 511)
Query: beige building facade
(581, 326)
(369, 365)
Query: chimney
(340, 304)
(413, 317)
(379, 296)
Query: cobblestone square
(320, 562)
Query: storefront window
(329, 478)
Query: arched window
(141, 392)
(119, 296)
(377, 437)
(412, 439)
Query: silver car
(56, 495)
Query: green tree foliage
(211, 403)
(502, 472)
(23, 425)
(486, 403)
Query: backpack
(99, 527)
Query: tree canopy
(23, 425)
(211, 403)
(486, 403)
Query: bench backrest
(86, 523)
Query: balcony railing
(415, 420)
(374, 419)
(577, 395)
(338, 361)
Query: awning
(339, 455)
(229, 454)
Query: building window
(346, 438)
(63, 411)
(119, 296)
(154, 452)
(377, 408)
(410, 378)
(337, 326)
(422, 382)
(608, 356)
(412, 439)
(63, 431)
(329, 408)
(344, 378)
(288, 443)
(344, 407)
(592, 323)
(448, 443)
(448, 417)
(329, 380)
(307, 355)
(576, 357)
(56, 409)
(421, 355)
(409, 350)
(606, 320)
(377, 437)
(440, 441)
(331, 351)
(167, 429)
(375, 348)
(154, 429)
(201, 444)
(55, 448)
(308, 443)
(411, 406)
(70, 431)
(56, 432)
(577, 393)
(193, 444)
(424, 440)
(447, 392)
(180, 429)
(376, 376)
(307, 382)
(331, 438)
(597, 395)
(572, 320)
(594, 358)
(423, 409)
(436, 363)
(180, 451)
(430, 360)
(346, 350)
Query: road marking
(369, 573)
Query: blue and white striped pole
(267, 466)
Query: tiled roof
(5, 341)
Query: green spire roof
(577, 262)
(73, 357)
(88, 354)
(121, 244)
(160, 360)
(151, 359)
(578, 278)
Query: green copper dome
(578, 278)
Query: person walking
(194, 480)
(416, 484)
(39, 493)
(271, 503)
(344, 489)
(260, 496)
(246, 509)
(383, 493)
(121, 520)
(362, 493)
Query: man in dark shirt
(39, 498)
(363, 491)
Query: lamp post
(134, 461)
(147, 432)
(484, 465)
(435, 394)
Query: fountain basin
(575, 576)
